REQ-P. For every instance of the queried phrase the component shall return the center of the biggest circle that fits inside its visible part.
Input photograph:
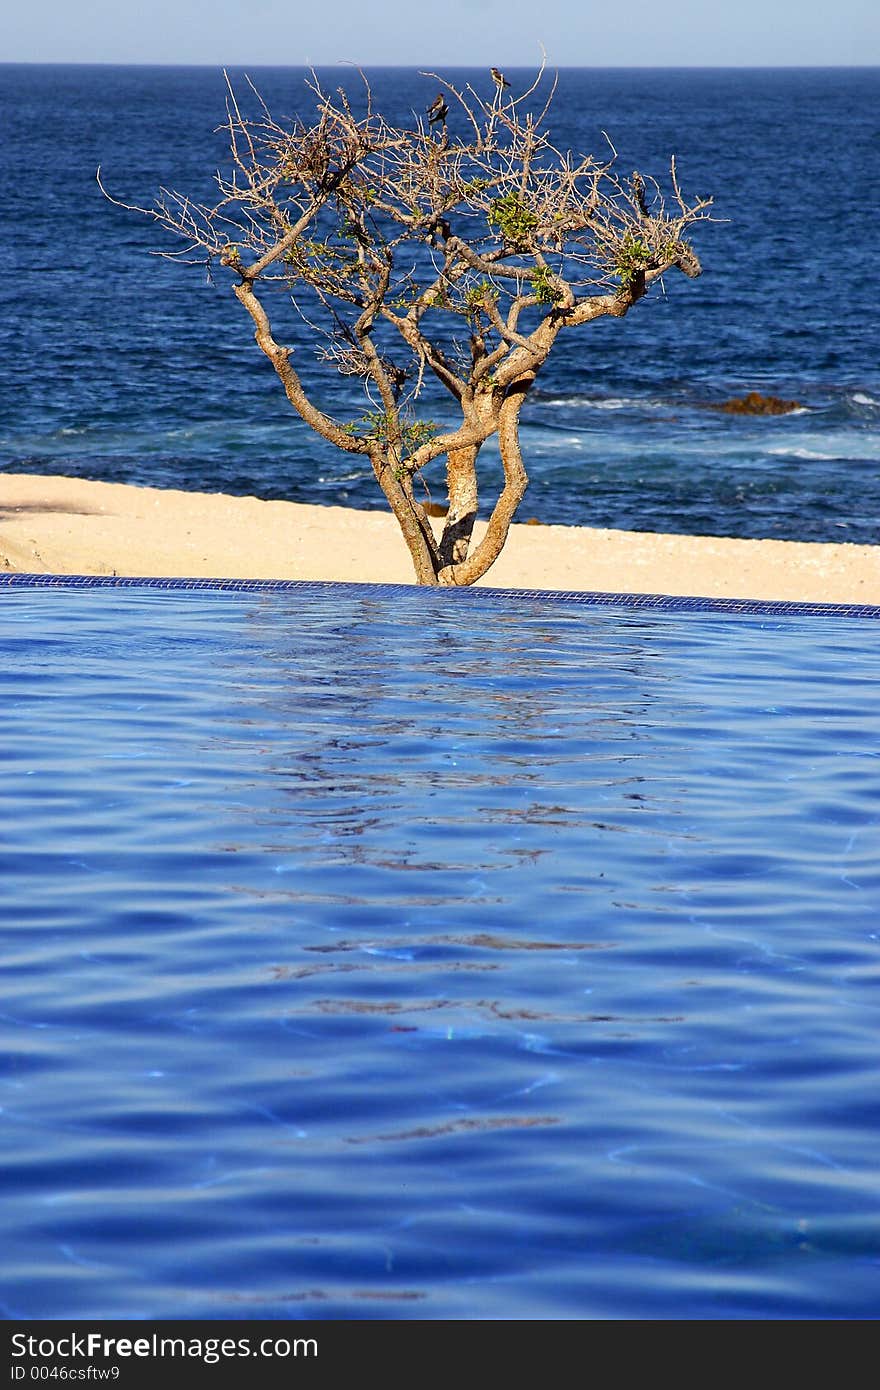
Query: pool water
(390, 954)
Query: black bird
(440, 232)
(330, 180)
(499, 79)
(638, 186)
(438, 110)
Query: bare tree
(452, 251)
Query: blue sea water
(390, 954)
(119, 365)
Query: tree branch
(280, 358)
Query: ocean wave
(602, 402)
(326, 481)
(656, 403)
(811, 455)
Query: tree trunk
(516, 481)
(461, 481)
(423, 551)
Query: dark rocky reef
(756, 404)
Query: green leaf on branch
(514, 219)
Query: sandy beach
(59, 525)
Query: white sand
(56, 525)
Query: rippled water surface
(394, 955)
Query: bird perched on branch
(638, 187)
(438, 110)
(499, 79)
(330, 180)
(440, 232)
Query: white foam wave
(602, 403)
(801, 453)
(343, 478)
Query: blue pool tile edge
(668, 602)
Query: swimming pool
(378, 953)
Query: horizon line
(459, 67)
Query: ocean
(121, 365)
